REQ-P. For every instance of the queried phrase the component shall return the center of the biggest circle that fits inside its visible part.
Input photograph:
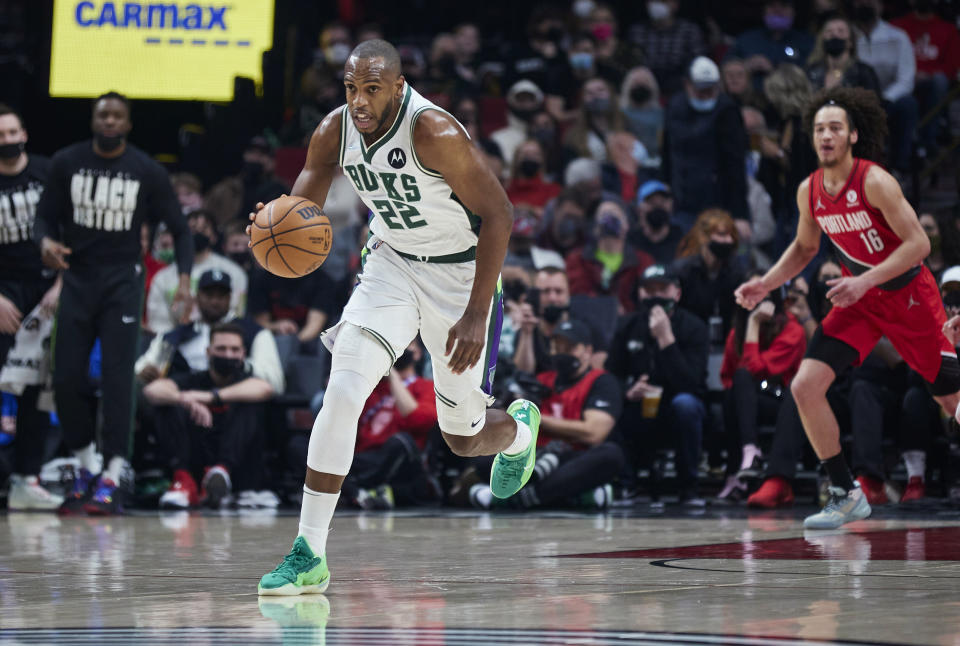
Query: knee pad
(466, 418)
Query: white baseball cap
(951, 275)
(704, 72)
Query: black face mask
(952, 299)
(523, 114)
(553, 313)
(666, 303)
(835, 46)
(722, 250)
(566, 366)
(251, 171)
(567, 230)
(227, 367)
(404, 361)
(864, 14)
(529, 167)
(11, 151)
(242, 258)
(657, 218)
(640, 94)
(544, 136)
(200, 242)
(108, 144)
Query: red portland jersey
(857, 229)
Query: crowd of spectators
(652, 168)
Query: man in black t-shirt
(88, 224)
(212, 422)
(23, 284)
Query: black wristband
(216, 397)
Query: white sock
(88, 458)
(482, 494)
(316, 512)
(115, 469)
(521, 441)
(916, 462)
(749, 452)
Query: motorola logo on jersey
(102, 201)
(397, 158)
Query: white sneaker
(26, 493)
(841, 508)
(175, 499)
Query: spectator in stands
(189, 191)
(834, 60)
(640, 103)
(669, 42)
(738, 85)
(577, 464)
(524, 99)
(657, 232)
(762, 354)
(584, 65)
(777, 42)
(521, 239)
(162, 316)
(564, 224)
(184, 348)
(260, 184)
(213, 424)
(934, 261)
(936, 47)
(540, 315)
(709, 270)
(762, 226)
(543, 128)
(705, 144)
(628, 159)
(597, 119)
(662, 349)
(467, 112)
(528, 187)
(541, 59)
(589, 183)
(608, 264)
(888, 50)
(614, 56)
(388, 468)
(236, 245)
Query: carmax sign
(158, 50)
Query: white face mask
(658, 10)
(582, 8)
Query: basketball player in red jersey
(885, 289)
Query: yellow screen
(158, 50)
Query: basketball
(291, 236)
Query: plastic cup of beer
(651, 401)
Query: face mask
(567, 229)
(666, 303)
(529, 167)
(952, 298)
(658, 218)
(11, 151)
(553, 313)
(524, 114)
(776, 22)
(582, 61)
(658, 10)
(609, 226)
(703, 105)
(227, 367)
(337, 54)
(865, 14)
(603, 31)
(251, 171)
(200, 242)
(404, 361)
(640, 94)
(108, 144)
(165, 256)
(544, 136)
(582, 8)
(934, 243)
(722, 250)
(566, 366)
(835, 46)
(599, 105)
(240, 257)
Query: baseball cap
(214, 278)
(661, 274)
(524, 226)
(704, 72)
(652, 187)
(525, 85)
(951, 275)
(575, 331)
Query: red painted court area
(920, 544)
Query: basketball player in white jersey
(428, 268)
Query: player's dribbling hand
(750, 293)
(951, 330)
(54, 254)
(467, 335)
(253, 216)
(846, 291)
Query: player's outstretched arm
(442, 144)
(320, 168)
(796, 256)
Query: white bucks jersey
(414, 210)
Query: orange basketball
(291, 236)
